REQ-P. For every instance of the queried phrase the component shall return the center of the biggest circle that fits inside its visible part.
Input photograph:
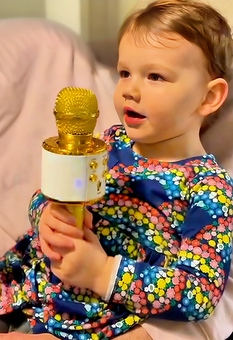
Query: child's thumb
(88, 219)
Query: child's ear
(216, 95)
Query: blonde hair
(195, 21)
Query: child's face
(165, 83)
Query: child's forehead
(160, 39)
(168, 42)
(170, 50)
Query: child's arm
(190, 285)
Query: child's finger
(54, 237)
(54, 224)
(51, 254)
(60, 212)
(65, 229)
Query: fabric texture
(172, 225)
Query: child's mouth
(134, 114)
(133, 118)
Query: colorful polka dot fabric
(171, 223)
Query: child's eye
(155, 77)
(123, 74)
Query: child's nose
(131, 92)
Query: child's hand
(57, 229)
(86, 266)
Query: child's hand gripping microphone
(74, 164)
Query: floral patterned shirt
(171, 224)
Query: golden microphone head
(76, 111)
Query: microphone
(74, 163)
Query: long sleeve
(172, 224)
(36, 206)
(187, 285)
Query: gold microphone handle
(78, 211)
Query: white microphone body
(73, 178)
